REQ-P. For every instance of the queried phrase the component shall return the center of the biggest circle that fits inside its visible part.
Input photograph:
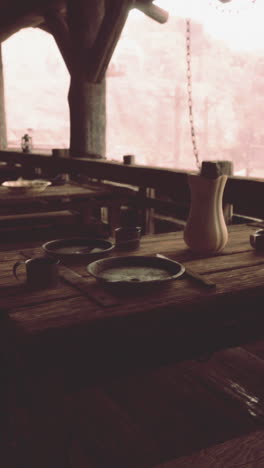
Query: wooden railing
(245, 194)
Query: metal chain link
(189, 80)
(189, 91)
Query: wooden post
(86, 99)
(87, 117)
(3, 136)
(94, 29)
(87, 38)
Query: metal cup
(127, 238)
(257, 240)
(41, 272)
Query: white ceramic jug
(205, 231)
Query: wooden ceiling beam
(15, 24)
(94, 33)
(84, 19)
(151, 10)
(86, 98)
(112, 25)
(18, 14)
(56, 24)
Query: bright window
(147, 100)
(36, 87)
(148, 103)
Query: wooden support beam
(23, 14)
(151, 10)
(87, 118)
(112, 25)
(56, 24)
(95, 32)
(84, 20)
(86, 98)
(13, 25)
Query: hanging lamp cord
(189, 92)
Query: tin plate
(135, 270)
(77, 249)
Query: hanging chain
(189, 91)
(189, 78)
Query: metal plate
(22, 186)
(77, 249)
(135, 270)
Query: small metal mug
(257, 240)
(41, 272)
(127, 238)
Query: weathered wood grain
(179, 409)
(106, 434)
(256, 348)
(186, 319)
(64, 344)
(246, 452)
(236, 374)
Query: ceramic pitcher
(205, 231)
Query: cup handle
(15, 266)
(252, 240)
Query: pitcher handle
(15, 266)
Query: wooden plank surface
(234, 273)
(160, 415)
(55, 192)
(180, 410)
(240, 452)
(184, 316)
(159, 418)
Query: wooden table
(178, 321)
(86, 385)
(70, 196)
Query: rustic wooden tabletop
(53, 193)
(183, 316)
(141, 409)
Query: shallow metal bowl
(135, 270)
(78, 249)
(22, 186)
